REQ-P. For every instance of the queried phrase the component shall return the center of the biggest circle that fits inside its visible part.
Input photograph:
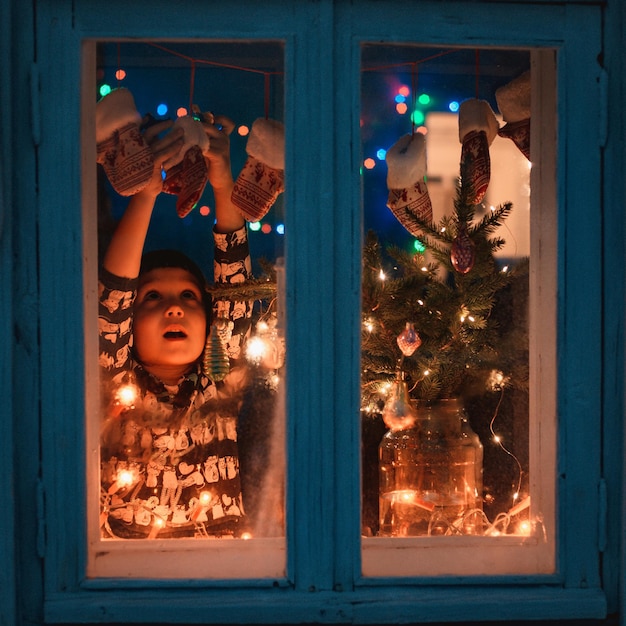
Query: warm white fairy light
(426, 372)
(125, 478)
(424, 269)
(420, 302)
(369, 325)
(158, 523)
(255, 349)
(126, 395)
(262, 327)
(382, 275)
(246, 536)
(385, 387)
(505, 269)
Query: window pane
(446, 426)
(191, 353)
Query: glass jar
(430, 475)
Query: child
(169, 459)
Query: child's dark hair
(157, 259)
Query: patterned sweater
(169, 456)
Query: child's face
(169, 319)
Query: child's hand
(220, 174)
(162, 148)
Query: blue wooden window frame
(322, 41)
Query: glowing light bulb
(426, 372)
(120, 74)
(453, 106)
(280, 229)
(243, 130)
(205, 210)
(254, 226)
(382, 275)
(127, 394)
(105, 89)
(404, 91)
(401, 108)
(369, 325)
(125, 478)
(497, 438)
(266, 229)
(369, 163)
(256, 349)
(162, 109)
(246, 536)
(262, 326)
(205, 498)
(424, 98)
(381, 153)
(417, 117)
(181, 111)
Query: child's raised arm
(123, 256)
(227, 216)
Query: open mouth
(175, 334)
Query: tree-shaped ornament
(215, 362)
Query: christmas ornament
(408, 340)
(262, 178)
(406, 169)
(478, 128)
(187, 172)
(514, 103)
(463, 251)
(398, 412)
(267, 346)
(125, 156)
(215, 362)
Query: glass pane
(192, 351)
(445, 341)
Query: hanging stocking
(122, 151)
(406, 170)
(514, 103)
(478, 128)
(262, 178)
(187, 172)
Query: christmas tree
(457, 299)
